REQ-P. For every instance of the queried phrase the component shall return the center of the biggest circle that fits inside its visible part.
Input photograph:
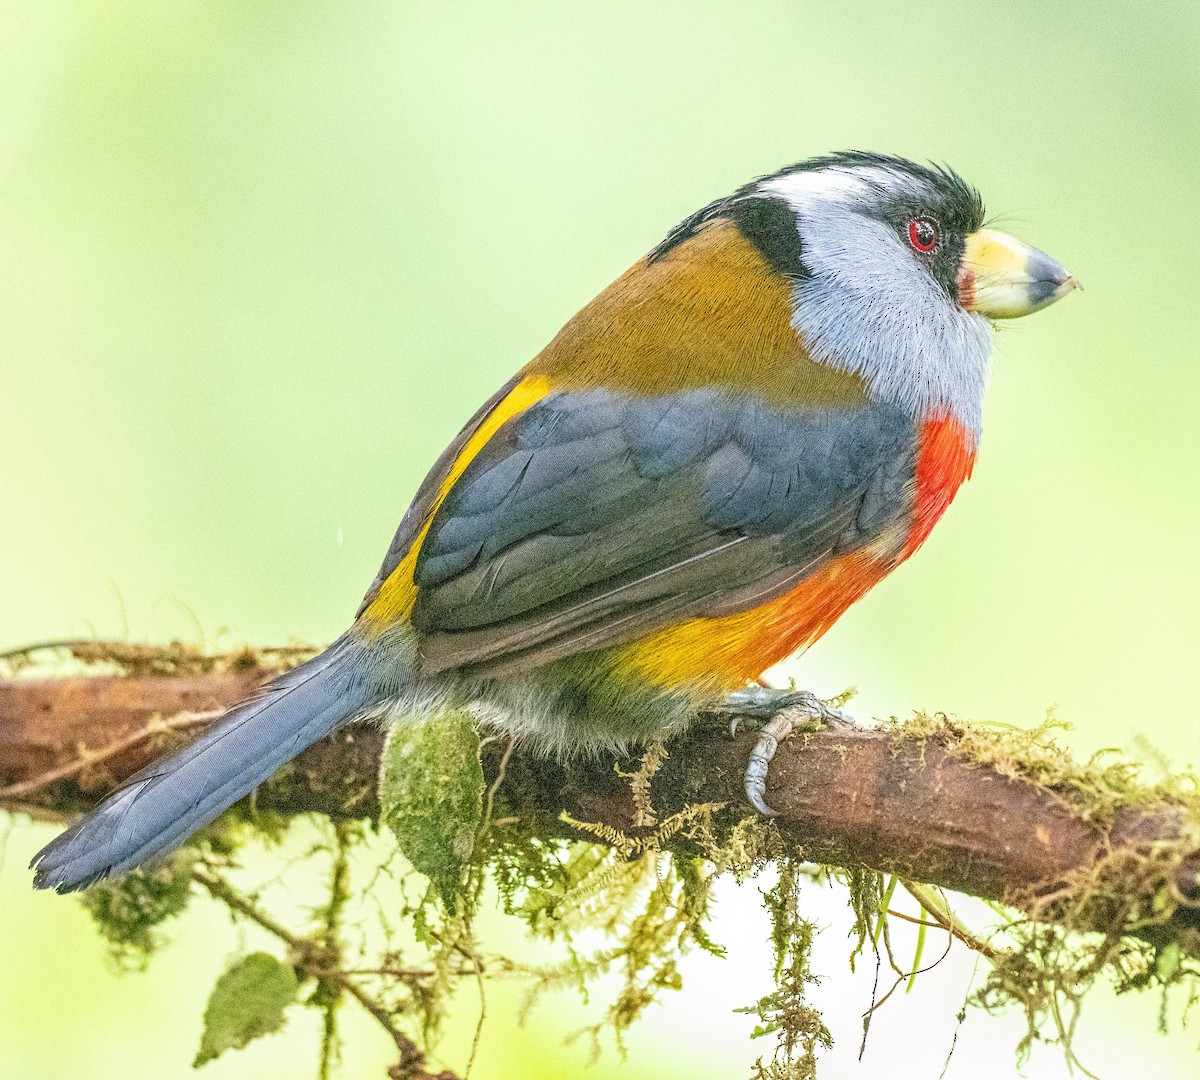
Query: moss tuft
(1094, 789)
(130, 911)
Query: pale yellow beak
(1003, 279)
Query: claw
(755, 781)
(787, 711)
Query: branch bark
(914, 807)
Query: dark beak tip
(1051, 280)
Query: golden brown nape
(708, 313)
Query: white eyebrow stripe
(843, 185)
(799, 189)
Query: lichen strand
(653, 906)
(786, 1012)
(129, 912)
(1095, 789)
(1047, 968)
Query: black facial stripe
(953, 216)
(768, 223)
(946, 263)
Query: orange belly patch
(726, 652)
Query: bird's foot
(781, 713)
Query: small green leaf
(246, 1003)
(1167, 963)
(431, 796)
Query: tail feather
(161, 806)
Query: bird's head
(871, 222)
(894, 277)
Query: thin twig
(946, 919)
(501, 769)
(402, 973)
(906, 976)
(42, 646)
(303, 955)
(87, 759)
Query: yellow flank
(398, 593)
(704, 653)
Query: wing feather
(598, 516)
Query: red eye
(922, 234)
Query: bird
(702, 471)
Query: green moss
(652, 905)
(431, 797)
(130, 912)
(786, 1013)
(1094, 789)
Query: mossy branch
(1006, 817)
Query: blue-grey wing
(598, 516)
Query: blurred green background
(258, 262)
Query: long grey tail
(161, 806)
